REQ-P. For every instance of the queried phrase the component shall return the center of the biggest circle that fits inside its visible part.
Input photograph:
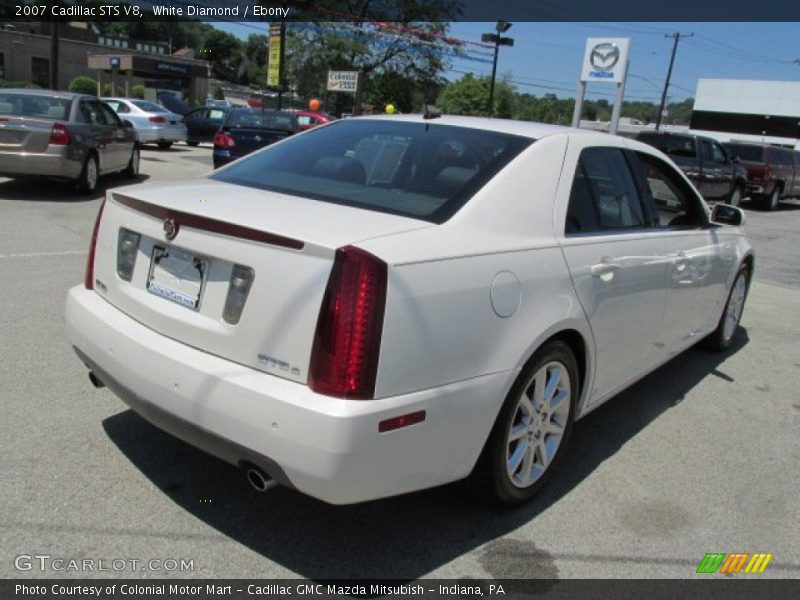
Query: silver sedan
(154, 124)
(63, 135)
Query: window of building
(2, 66)
(40, 71)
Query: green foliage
(108, 90)
(18, 84)
(138, 91)
(83, 84)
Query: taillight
(59, 135)
(157, 120)
(344, 360)
(127, 249)
(238, 289)
(224, 139)
(88, 280)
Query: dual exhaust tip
(258, 480)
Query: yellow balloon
(390, 109)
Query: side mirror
(724, 214)
(127, 124)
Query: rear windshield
(418, 170)
(149, 106)
(33, 105)
(261, 119)
(746, 152)
(674, 145)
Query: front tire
(193, 144)
(165, 145)
(725, 333)
(87, 182)
(532, 429)
(735, 199)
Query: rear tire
(87, 182)
(529, 436)
(771, 202)
(165, 145)
(132, 170)
(727, 328)
(193, 144)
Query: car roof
(522, 128)
(48, 93)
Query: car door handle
(605, 268)
(680, 260)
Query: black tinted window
(746, 152)
(674, 145)
(261, 119)
(415, 169)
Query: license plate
(177, 276)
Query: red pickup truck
(772, 172)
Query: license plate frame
(177, 275)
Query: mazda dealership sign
(605, 59)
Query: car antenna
(431, 112)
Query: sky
(546, 57)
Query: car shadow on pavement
(405, 537)
(46, 190)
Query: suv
(706, 163)
(772, 172)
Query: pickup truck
(715, 173)
(772, 172)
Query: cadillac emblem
(170, 228)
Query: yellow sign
(274, 56)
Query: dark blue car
(245, 130)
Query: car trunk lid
(21, 134)
(193, 240)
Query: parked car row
(731, 171)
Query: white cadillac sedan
(382, 305)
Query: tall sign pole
(605, 61)
(275, 56)
(677, 37)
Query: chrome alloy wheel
(538, 426)
(733, 312)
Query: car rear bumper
(52, 163)
(327, 448)
(151, 135)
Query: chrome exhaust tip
(96, 380)
(260, 481)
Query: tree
(467, 96)
(83, 85)
(138, 91)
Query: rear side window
(415, 169)
(674, 145)
(34, 105)
(746, 152)
(262, 119)
(604, 195)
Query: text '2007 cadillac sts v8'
(382, 305)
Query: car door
(724, 170)
(618, 265)
(195, 124)
(709, 184)
(100, 133)
(122, 137)
(699, 261)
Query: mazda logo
(604, 56)
(170, 229)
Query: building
(764, 111)
(25, 56)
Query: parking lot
(700, 456)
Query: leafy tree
(138, 91)
(83, 84)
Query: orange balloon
(314, 104)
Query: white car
(154, 124)
(387, 304)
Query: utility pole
(55, 40)
(497, 40)
(677, 36)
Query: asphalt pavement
(700, 456)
